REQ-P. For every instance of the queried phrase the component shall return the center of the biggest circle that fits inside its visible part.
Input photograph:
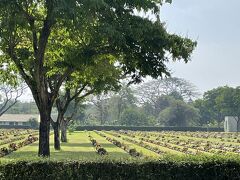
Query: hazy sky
(215, 24)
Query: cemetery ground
(122, 145)
(122, 155)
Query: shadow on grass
(64, 155)
(80, 145)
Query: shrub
(13, 146)
(134, 153)
(94, 142)
(149, 170)
(117, 143)
(147, 128)
(4, 151)
(101, 151)
(33, 122)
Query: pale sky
(215, 24)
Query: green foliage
(178, 114)
(49, 41)
(77, 34)
(133, 117)
(156, 95)
(229, 101)
(162, 103)
(72, 128)
(167, 168)
(205, 115)
(122, 100)
(24, 108)
(33, 122)
(147, 128)
(218, 103)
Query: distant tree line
(157, 102)
(164, 102)
(167, 102)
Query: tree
(133, 117)
(9, 96)
(177, 87)
(33, 123)
(93, 79)
(178, 114)
(156, 93)
(214, 104)
(121, 100)
(205, 115)
(24, 108)
(228, 102)
(101, 103)
(218, 103)
(11, 88)
(160, 104)
(47, 40)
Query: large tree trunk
(64, 125)
(44, 104)
(56, 130)
(44, 130)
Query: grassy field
(149, 145)
(77, 148)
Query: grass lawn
(113, 151)
(140, 149)
(78, 147)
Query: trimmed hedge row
(120, 170)
(147, 128)
(15, 127)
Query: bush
(4, 151)
(214, 170)
(134, 153)
(117, 143)
(101, 151)
(13, 146)
(33, 122)
(147, 128)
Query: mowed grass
(80, 148)
(77, 148)
(142, 150)
(113, 151)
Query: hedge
(119, 170)
(147, 128)
(133, 128)
(15, 127)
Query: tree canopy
(218, 103)
(178, 114)
(46, 40)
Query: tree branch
(9, 95)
